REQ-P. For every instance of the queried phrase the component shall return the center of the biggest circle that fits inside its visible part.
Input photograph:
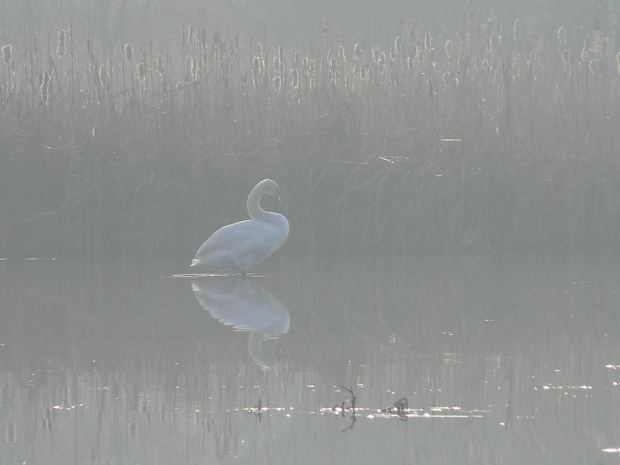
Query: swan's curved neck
(255, 211)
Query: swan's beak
(278, 197)
(194, 262)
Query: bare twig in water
(350, 391)
(256, 410)
(399, 408)
(352, 408)
(350, 427)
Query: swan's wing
(225, 238)
(259, 241)
(240, 245)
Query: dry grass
(449, 140)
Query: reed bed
(484, 137)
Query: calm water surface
(438, 360)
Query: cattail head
(489, 46)
(561, 35)
(597, 44)
(104, 75)
(141, 70)
(255, 77)
(160, 64)
(195, 69)
(146, 404)
(89, 47)
(190, 35)
(332, 65)
(277, 84)
(410, 63)
(375, 55)
(398, 43)
(45, 89)
(593, 65)
(129, 52)
(7, 54)
(365, 71)
(427, 40)
(188, 69)
(357, 48)
(348, 84)
(566, 61)
(618, 61)
(295, 78)
(431, 55)
(449, 48)
(341, 54)
(516, 30)
(484, 64)
(393, 53)
(244, 79)
(61, 50)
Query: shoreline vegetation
(484, 138)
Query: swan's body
(238, 246)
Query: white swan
(240, 245)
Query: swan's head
(267, 186)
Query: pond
(433, 359)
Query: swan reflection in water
(245, 307)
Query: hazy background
(110, 21)
(389, 125)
